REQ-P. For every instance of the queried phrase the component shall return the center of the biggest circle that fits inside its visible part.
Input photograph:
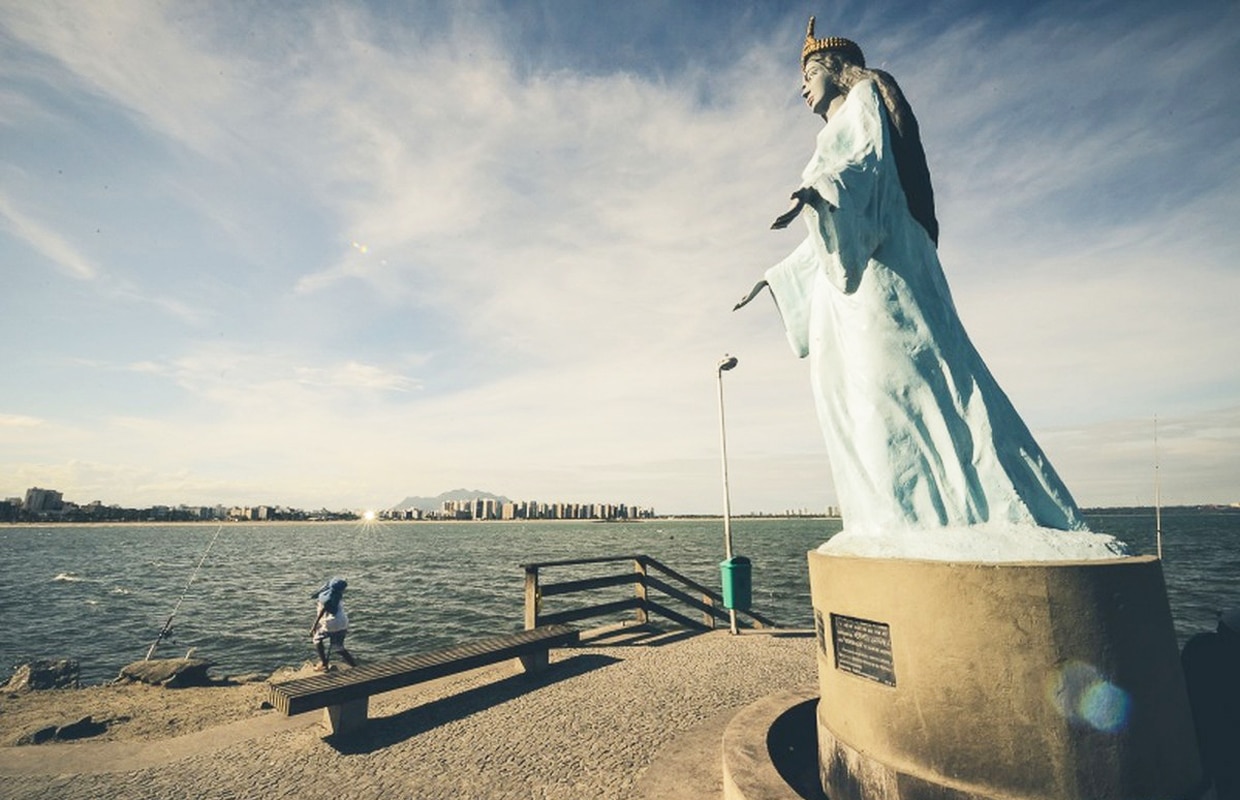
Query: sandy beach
(591, 727)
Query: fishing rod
(168, 625)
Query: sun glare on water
(368, 521)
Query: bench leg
(533, 662)
(346, 717)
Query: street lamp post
(727, 363)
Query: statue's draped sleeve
(792, 284)
(844, 229)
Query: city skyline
(50, 505)
(319, 253)
(39, 504)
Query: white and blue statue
(919, 435)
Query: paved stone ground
(588, 728)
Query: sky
(331, 254)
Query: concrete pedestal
(1027, 680)
(346, 717)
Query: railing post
(639, 566)
(533, 599)
(708, 615)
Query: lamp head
(727, 363)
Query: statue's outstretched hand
(806, 194)
(759, 286)
(788, 216)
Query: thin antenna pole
(168, 624)
(1157, 494)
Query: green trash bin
(737, 575)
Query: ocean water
(102, 593)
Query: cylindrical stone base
(1022, 680)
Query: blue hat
(332, 589)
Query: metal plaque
(863, 648)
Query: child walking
(332, 623)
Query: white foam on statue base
(990, 543)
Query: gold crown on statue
(845, 46)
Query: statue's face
(818, 86)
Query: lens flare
(1105, 706)
(1084, 697)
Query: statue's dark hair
(905, 136)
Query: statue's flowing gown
(918, 433)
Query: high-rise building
(42, 501)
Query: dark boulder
(67, 732)
(40, 675)
(173, 673)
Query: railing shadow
(640, 635)
(383, 732)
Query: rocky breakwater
(45, 702)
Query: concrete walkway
(591, 727)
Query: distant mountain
(436, 503)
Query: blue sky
(338, 253)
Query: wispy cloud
(174, 80)
(46, 241)
(19, 421)
(356, 375)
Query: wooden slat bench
(345, 694)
